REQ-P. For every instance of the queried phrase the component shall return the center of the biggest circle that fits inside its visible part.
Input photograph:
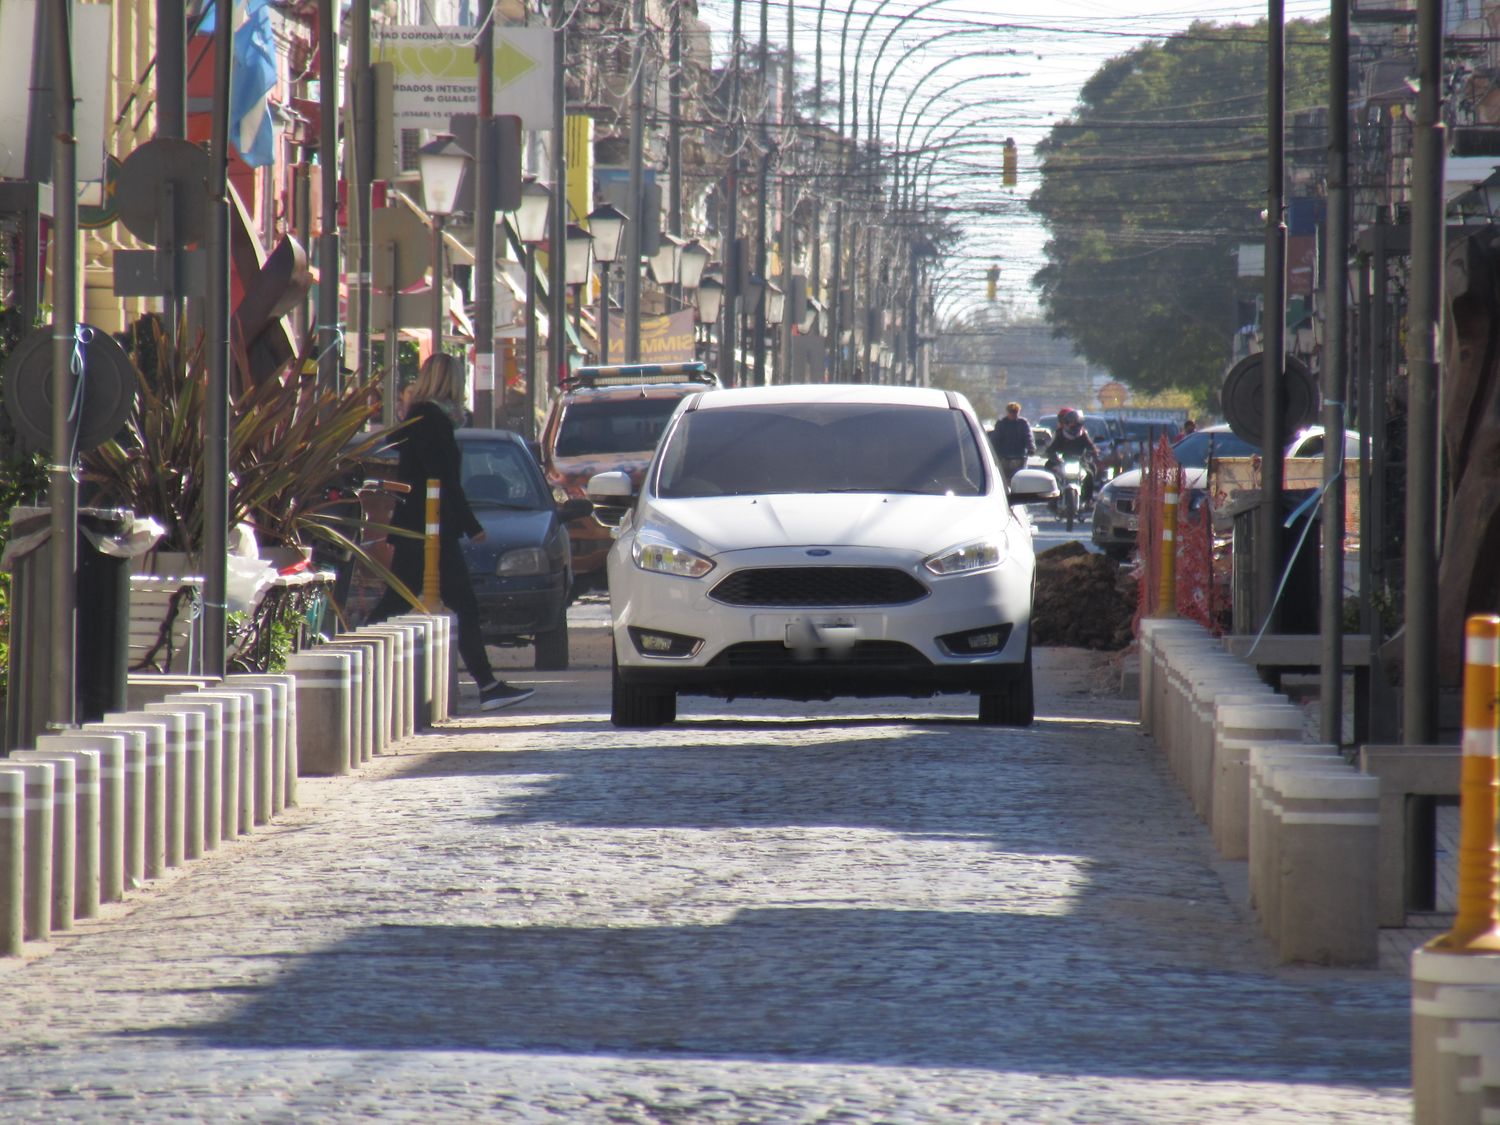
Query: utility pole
(557, 284)
(758, 313)
(1268, 553)
(728, 344)
(788, 200)
(329, 375)
(1335, 378)
(1424, 342)
(62, 491)
(489, 384)
(635, 229)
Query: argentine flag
(252, 77)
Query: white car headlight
(664, 557)
(522, 562)
(979, 554)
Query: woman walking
(427, 450)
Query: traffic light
(1009, 175)
(992, 282)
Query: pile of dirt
(1083, 600)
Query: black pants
(408, 562)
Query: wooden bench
(165, 635)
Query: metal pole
(1335, 367)
(364, 179)
(1424, 367)
(439, 290)
(635, 229)
(216, 397)
(728, 344)
(171, 68)
(529, 429)
(557, 274)
(171, 121)
(392, 342)
(62, 490)
(488, 383)
(758, 314)
(329, 374)
(674, 121)
(1268, 552)
(604, 311)
(788, 199)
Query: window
(822, 447)
(613, 426)
(499, 474)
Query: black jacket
(1079, 445)
(1012, 438)
(426, 449)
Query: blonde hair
(439, 380)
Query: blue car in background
(523, 570)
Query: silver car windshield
(821, 447)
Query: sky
(980, 73)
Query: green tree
(1149, 186)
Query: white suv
(807, 542)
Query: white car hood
(898, 522)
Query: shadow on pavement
(856, 986)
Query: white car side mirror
(1032, 486)
(612, 494)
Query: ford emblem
(819, 552)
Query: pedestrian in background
(427, 450)
(1012, 440)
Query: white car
(807, 542)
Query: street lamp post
(710, 301)
(692, 260)
(441, 162)
(531, 227)
(607, 225)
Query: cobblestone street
(853, 912)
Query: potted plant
(295, 455)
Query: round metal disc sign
(107, 390)
(141, 185)
(1242, 399)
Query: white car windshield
(821, 447)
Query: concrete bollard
(361, 699)
(12, 860)
(36, 878)
(1264, 861)
(231, 733)
(1328, 824)
(1454, 997)
(1155, 632)
(110, 751)
(212, 713)
(264, 767)
(241, 799)
(153, 807)
(61, 838)
(325, 698)
(75, 857)
(195, 776)
(280, 714)
(173, 761)
(1225, 787)
(133, 804)
(401, 696)
(377, 648)
(442, 668)
(424, 635)
(1195, 753)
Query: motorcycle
(1070, 474)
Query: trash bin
(102, 592)
(1300, 597)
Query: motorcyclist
(1072, 441)
(1012, 440)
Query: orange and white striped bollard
(432, 598)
